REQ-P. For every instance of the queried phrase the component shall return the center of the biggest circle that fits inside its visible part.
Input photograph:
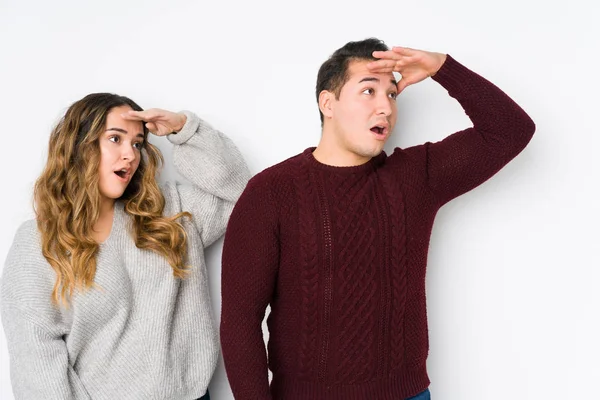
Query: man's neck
(330, 152)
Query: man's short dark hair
(333, 73)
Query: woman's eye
(368, 91)
(138, 145)
(114, 139)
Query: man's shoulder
(280, 173)
(407, 157)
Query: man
(335, 239)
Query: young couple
(104, 295)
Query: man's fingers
(387, 55)
(403, 51)
(381, 65)
(389, 65)
(392, 60)
(395, 53)
(402, 84)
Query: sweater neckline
(119, 215)
(370, 165)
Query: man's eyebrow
(369, 79)
(374, 79)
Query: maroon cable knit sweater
(340, 255)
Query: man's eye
(368, 91)
(393, 95)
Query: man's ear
(326, 99)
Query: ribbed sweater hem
(397, 387)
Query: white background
(513, 280)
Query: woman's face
(120, 152)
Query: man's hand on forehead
(413, 65)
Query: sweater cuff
(453, 75)
(192, 124)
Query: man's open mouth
(379, 129)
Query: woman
(104, 294)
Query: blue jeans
(205, 397)
(421, 396)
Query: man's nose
(384, 106)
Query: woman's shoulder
(27, 228)
(27, 238)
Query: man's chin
(370, 153)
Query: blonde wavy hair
(67, 199)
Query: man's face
(364, 115)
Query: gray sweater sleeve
(39, 361)
(217, 172)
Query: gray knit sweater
(141, 334)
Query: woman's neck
(103, 226)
